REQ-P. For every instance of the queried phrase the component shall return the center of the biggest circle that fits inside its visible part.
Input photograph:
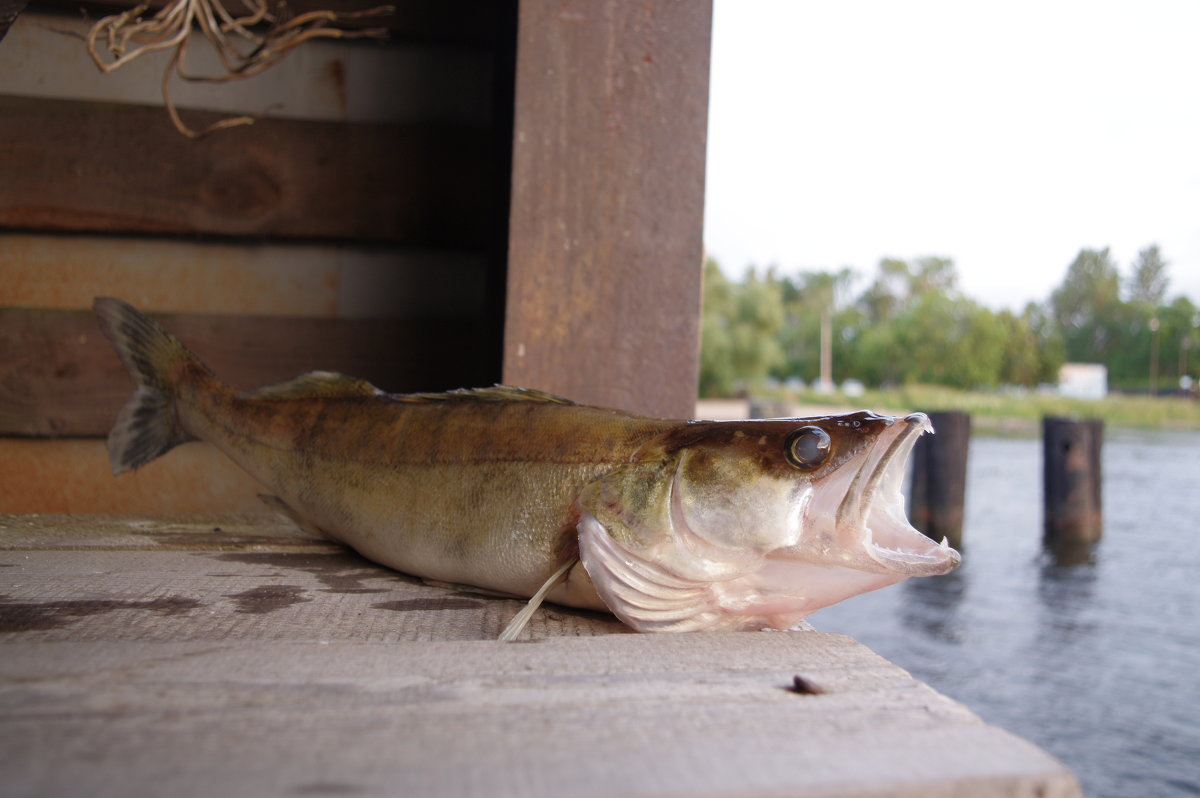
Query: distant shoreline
(991, 413)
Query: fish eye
(808, 447)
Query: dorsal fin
(497, 393)
(317, 385)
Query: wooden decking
(228, 657)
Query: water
(1097, 663)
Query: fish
(671, 525)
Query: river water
(1098, 663)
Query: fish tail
(149, 423)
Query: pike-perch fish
(671, 525)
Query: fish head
(756, 524)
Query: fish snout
(919, 420)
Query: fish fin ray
(496, 393)
(148, 424)
(317, 385)
(522, 618)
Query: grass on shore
(1003, 412)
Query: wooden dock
(235, 656)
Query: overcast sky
(1005, 136)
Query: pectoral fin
(644, 595)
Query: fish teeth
(945, 544)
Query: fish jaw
(791, 548)
(870, 544)
(769, 594)
(871, 518)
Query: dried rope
(243, 52)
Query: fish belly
(502, 526)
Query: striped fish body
(671, 525)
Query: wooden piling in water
(1071, 478)
(768, 408)
(939, 477)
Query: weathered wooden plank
(98, 167)
(56, 271)
(594, 717)
(72, 475)
(334, 80)
(218, 656)
(242, 278)
(60, 376)
(607, 201)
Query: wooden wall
(364, 226)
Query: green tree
(887, 295)
(932, 275)
(912, 324)
(1139, 357)
(756, 333)
(1180, 339)
(897, 336)
(1050, 349)
(740, 327)
(805, 300)
(1148, 283)
(948, 341)
(1020, 363)
(1129, 368)
(1087, 307)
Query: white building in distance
(1083, 380)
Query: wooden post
(1071, 479)
(939, 477)
(606, 231)
(768, 408)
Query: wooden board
(251, 278)
(607, 202)
(72, 475)
(98, 167)
(355, 80)
(60, 376)
(220, 656)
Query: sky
(1005, 136)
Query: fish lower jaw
(930, 560)
(785, 592)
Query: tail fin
(148, 425)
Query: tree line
(912, 324)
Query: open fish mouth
(873, 508)
(791, 547)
